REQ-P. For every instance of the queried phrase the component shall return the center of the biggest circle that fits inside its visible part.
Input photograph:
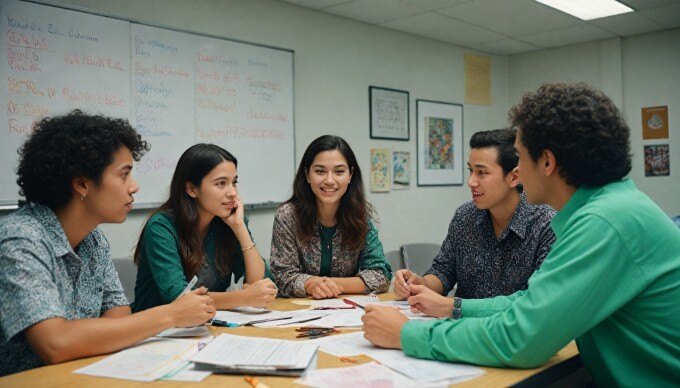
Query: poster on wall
(657, 160)
(655, 122)
(440, 143)
(380, 170)
(401, 170)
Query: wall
(636, 72)
(336, 60)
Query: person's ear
(307, 175)
(190, 189)
(549, 162)
(81, 186)
(513, 177)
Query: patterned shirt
(484, 265)
(41, 277)
(293, 262)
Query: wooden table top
(62, 375)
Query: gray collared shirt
(485, 265)
(41, 277)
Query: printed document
(353, 344)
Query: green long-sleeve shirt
(611, 281)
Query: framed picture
(380, 170)
(439, 143)
(389, 113)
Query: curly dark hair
(581, 126)
(354, 211)
(65, 147)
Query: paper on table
(340, 318)
(298, 318)
(365, 375)
(188, 374)
(149, 360)
(239, 351)
(244, 316)
(330, 304)
(364, 300)
(353, 344)
(179, 332)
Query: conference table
(565, 362)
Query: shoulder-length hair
(354, 211)
(194, 164)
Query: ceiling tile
(626, 24)
(435, 26)
(374, 11)
(668, 16)
(316, 4)
(512, 18)
(508, 46)
(568, 35)
(433, 5)
(639, 5)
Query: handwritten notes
(177, 89)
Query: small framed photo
(439, 143)
(389, 113)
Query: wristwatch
(457, 302)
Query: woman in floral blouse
(324, 243)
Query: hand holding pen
(191, 309)
(403, 279)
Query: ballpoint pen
(189, 286)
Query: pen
(221, 323)
(353, 303)
(189, 286)
(407, 262)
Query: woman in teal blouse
(201, 231)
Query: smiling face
(111, 200)
(490, 186)
(217, 192)
(328, 176)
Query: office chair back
(420, 256)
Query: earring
(82, 197)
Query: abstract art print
(401, 170)
(380, 170)
(440, 143)
(657, 160)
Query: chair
(395, 260)
(127, 273)
(420, 256)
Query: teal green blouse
(160, 275)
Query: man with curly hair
(612, 279)
(60, 295)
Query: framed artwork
(401, 170)
(380, 170)
(657, 160)
(439, 143)
(389, 113)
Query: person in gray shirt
(494, 243)
(60, 295)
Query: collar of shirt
(518, 222)
(577, 200)
(55, 231)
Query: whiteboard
(176, 88)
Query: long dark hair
(354, 211)
(194, 164)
